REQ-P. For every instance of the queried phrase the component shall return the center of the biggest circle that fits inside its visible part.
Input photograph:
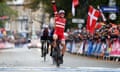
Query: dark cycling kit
(44, 37)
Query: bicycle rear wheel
(56, 61)
(58, 56)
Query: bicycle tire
(56, 61)
(58, 57)
(44, 50)
(58, 64)
(44, 55)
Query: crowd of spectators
(12, 39)
(107, 34)
(109, 31)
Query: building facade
(27, 19)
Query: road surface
(29, 60)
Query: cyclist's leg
(54, 44)
(55, 37)
(64, 47)
(42, 49)
(48, 43)
(62, 38)
(42, 38)
(51, 49)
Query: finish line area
(61, 69)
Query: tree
(5, 10)
(81, 10)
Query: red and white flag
(93, 15)
(74, 4)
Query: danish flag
(93, 15)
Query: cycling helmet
(45, 26)
(61, 11)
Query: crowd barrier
(106, 50)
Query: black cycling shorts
(44, 37)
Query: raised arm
(54, 7)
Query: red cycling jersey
(59, 24)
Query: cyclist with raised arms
(59, 27)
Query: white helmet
(61, 11)
(45, 26)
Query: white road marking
(64, 69)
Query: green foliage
(81, 10)
(1, 24)
(5, 10)
(48, 6)
(2, 0)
